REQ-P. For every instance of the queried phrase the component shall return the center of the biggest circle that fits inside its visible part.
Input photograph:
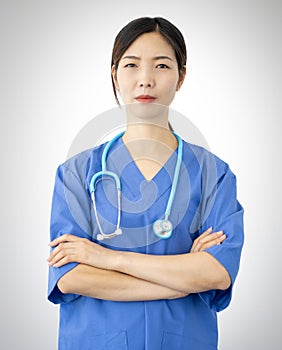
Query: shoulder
(80, 164)
(206, 160)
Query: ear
(114, 76)
(182, 76)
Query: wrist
(118, 261)
(113, 260)
(102, 257)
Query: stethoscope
(162, 227)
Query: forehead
(150, 44)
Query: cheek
(170, 86)
(124, 83)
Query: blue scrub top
(205, 196)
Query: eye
(162, 66)
(130, 65)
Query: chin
(146, 112)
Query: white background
(55, 77)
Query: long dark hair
(139, 26)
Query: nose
(146, 85)
(146, 79)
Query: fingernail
(220, 233)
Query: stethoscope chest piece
(162, 228)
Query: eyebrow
(132, 57)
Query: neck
(150, 146)
(149, 132)
(147, 122)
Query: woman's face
(148, 72)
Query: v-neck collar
(133, 181)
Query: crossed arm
(125, 276)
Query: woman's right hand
(207, 239)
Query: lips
(145, 98)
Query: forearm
(189, 273)
(111, 285)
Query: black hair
(139, 26)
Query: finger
(68, 253)
(55, 259)
(65, 260)
(61, 248)
(211, 237)
(214, 239)
(62, 239)
(55, 251)
(204, 239)
(213, 243)
(207, 232)
(204, 234)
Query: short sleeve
(70, 213)
(226, 214)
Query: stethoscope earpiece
(102, 236)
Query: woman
(153, 274)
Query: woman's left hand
(70, 248)
(207, 239)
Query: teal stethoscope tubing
(163, 227)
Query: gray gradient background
(54, 77)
